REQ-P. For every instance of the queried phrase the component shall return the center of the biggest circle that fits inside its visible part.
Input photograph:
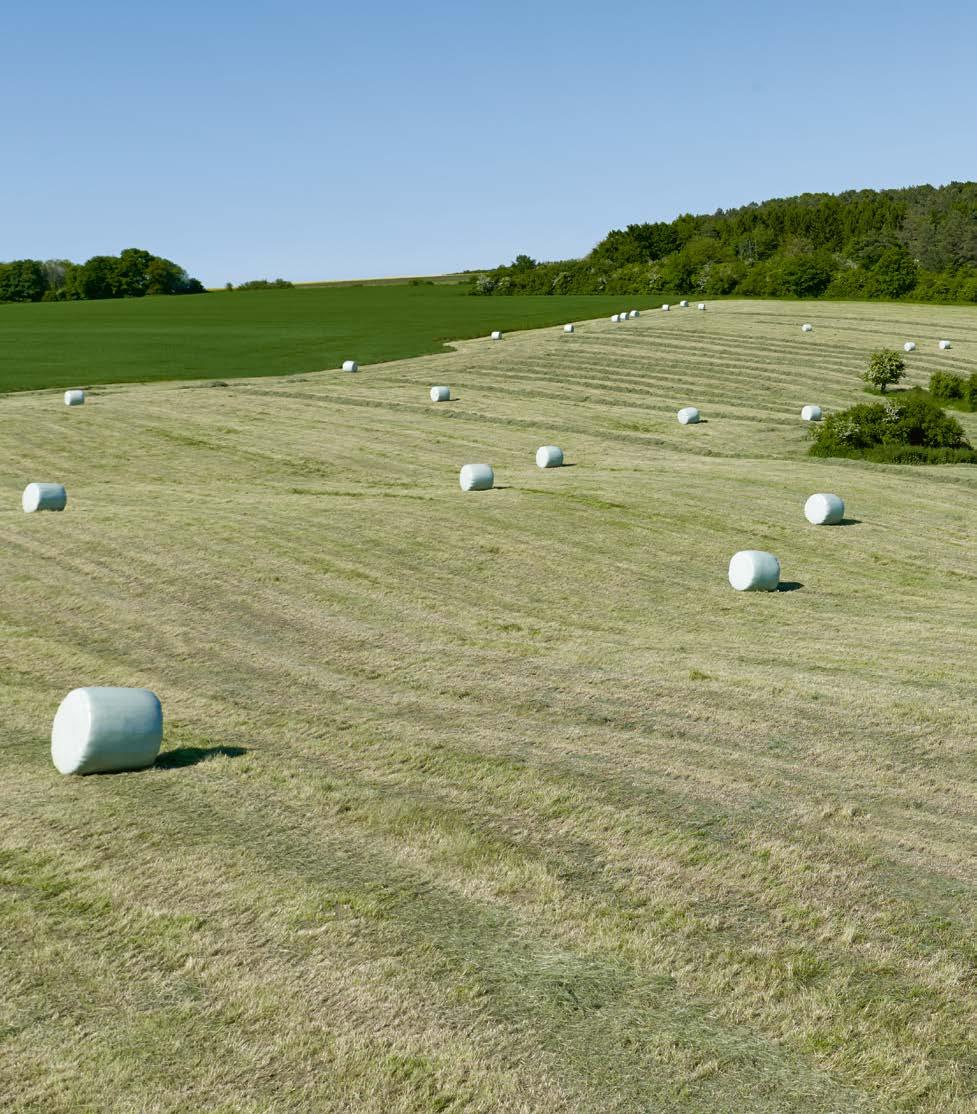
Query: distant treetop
(133, 273)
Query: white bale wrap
(74, 398)
(615, 317)
(568, 328)
(44, 497)
(811, 413)
(476, 477)
(350, 365)
(752, 570)
(684, 304)
(909, 346)
(101, 729)
(440, 394)
(549, 456)
(496, 334)
(688, 415)
(807, 328)
(824, 510)
(666, 307)
(944, 345)
(702, 305)
(634, 313)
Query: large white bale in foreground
(752, 570)
(688, 415)
(824, 510)
(944, 345)
(811, 413)
(350, 365)
(634, 313)
(74, 398)
(807, 328)
(476, 477)
(496, 334)
(440, 394)
(549, 456)
(44, 497)
(568, 328)
(684, 304)
(909, 346)
(666, 307)
(702, 305)
(615, 317)
(100, 729)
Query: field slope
(500, 801)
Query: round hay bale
(568, 328)
(684, 304)
(476, 477)
(688, 415)
(752, 570)
(634, 313)
(909, 346)
(824, 510)
(702, 305)
(496, 334)
(74, 398)
(440, 394)
(811, 413)
(615, 317)
(549, 456)
(44, 497)
(666, 307)
(807, 328)
(101, 729)
(944, 345)
(623, 316)
(350, 365)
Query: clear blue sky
(314, 140)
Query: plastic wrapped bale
(568, 328)
(752, 570)
(909, 346)
(688, 415)
(623, 316)
(97, 730)
(824, 510)
(549, 456)
(44, 497)
(615, 317)
(496, 334)
(634, 313)
(74, 398)
(811, 413)
(350, 365)
(944, 345)
(666, 307)
(807, 328)
(683, 304)
(440, 394)
(702, 305)
(476, 477)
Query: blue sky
(316, 141)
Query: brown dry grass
(498, 801)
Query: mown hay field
(498, 801)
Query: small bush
(909, 430)
(264, 284)
(885, 368)
(954, 390)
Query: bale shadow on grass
(190, 756)
(789, 586)
(849, 522)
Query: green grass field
(263, 332)
(498, 801)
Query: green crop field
(494, 801)
(261, 332)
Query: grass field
(262, 332)
(498, 801)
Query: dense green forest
(133, 273)
(918, 243)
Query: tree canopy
(134, 273)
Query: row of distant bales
(101, 729)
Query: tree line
(918, 243)
(133, 273)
